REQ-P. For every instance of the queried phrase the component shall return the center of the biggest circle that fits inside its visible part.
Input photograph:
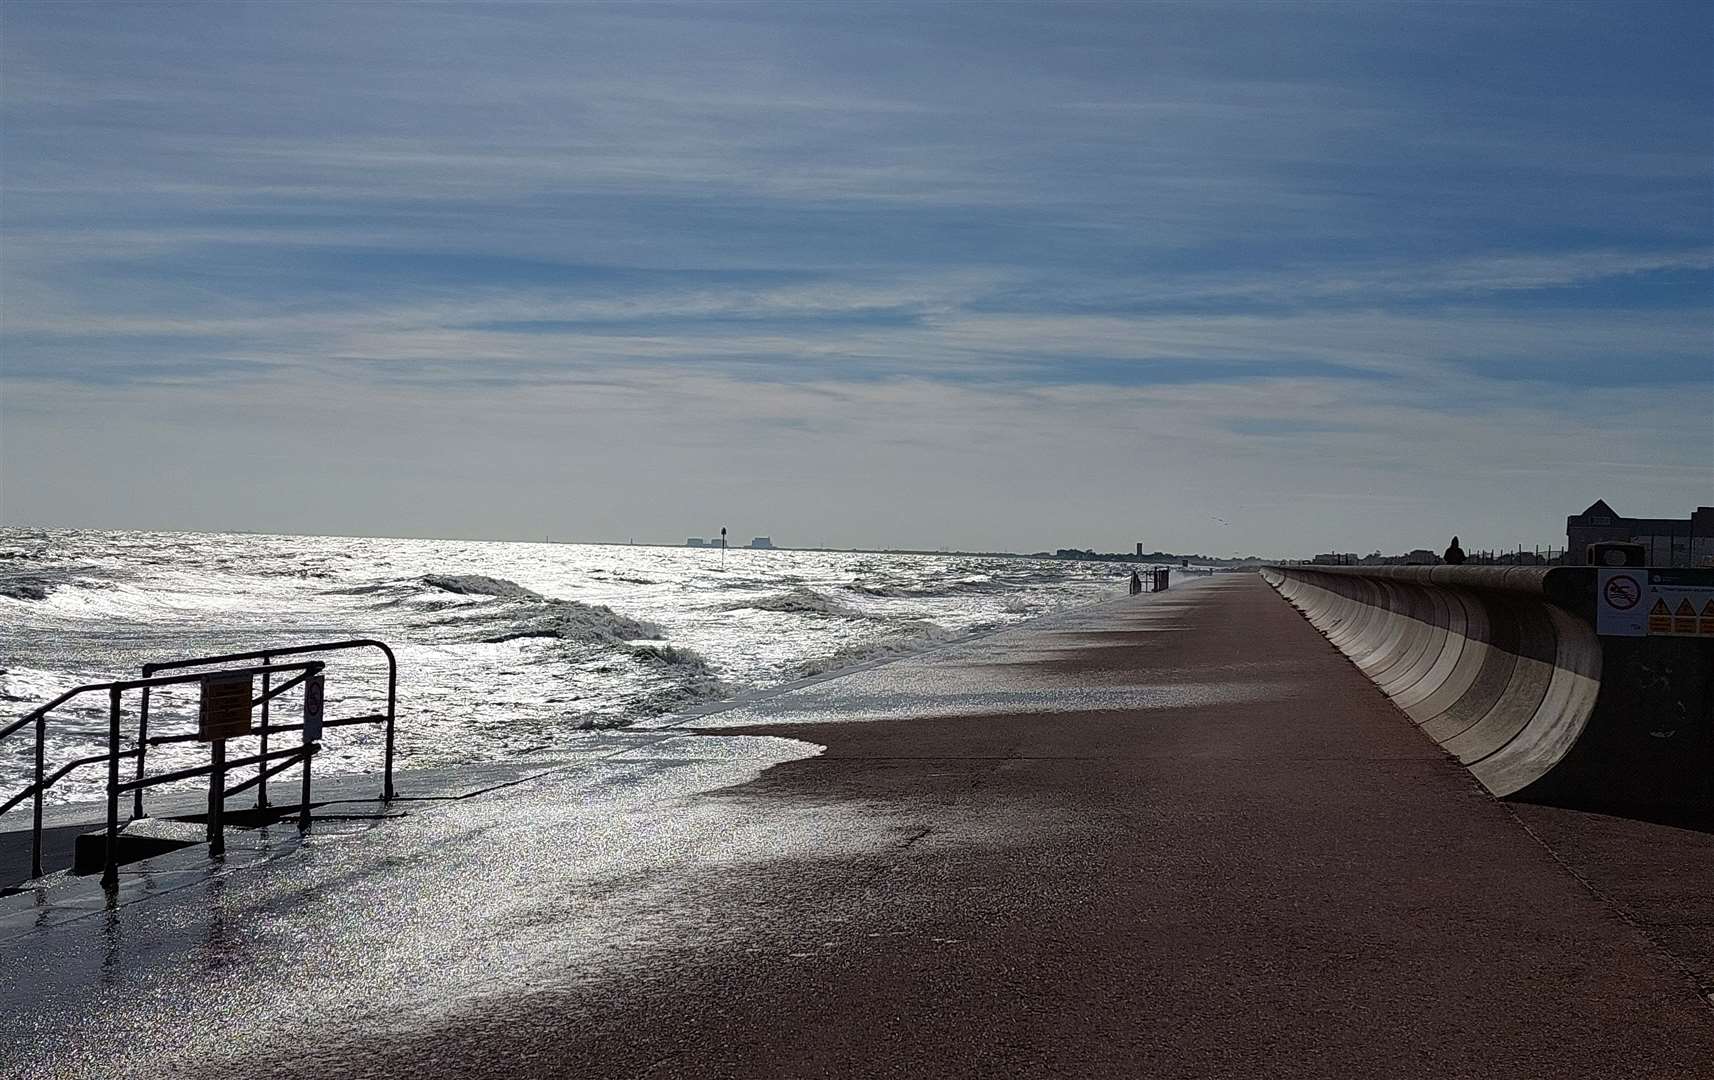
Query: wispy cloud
(1234, 242)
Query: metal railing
(116, 690)
(267, 657)
(268, 762)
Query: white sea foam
(797, 601)
(500, 646)
(568, 620)
(913, 637)
(480, 585)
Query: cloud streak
(837, 233)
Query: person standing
(1454, 554)
(1136, 583)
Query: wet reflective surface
(587, 873)
(502, 646)
(1171, 836)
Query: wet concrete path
(1171, 836)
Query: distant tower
(1139, 549)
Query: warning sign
(1618, 609)
(1684, 618)
(225, 710)
(1622, 591)
(1660, 619)
(1649, 603)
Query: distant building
(696, 541)
(762, 542)
(1670, 541)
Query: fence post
(110, 871)
(303, 803)
(41, 775)
(217, 798)
(142, 748)
(392, 712)
(262, 766)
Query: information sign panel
(1637, 602)
(314, 687)
(225, 712)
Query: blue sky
(1253, 277)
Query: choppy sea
(503, 647)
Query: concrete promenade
(1172, 836)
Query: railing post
(110, 871)
(303, 803)
(41, 776)
(392, 711)
(262, 767)
(142, 748)
(217, 798)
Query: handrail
(115, 690)
(152, 678)
(266, 656)
(60, 774)
(121, 685)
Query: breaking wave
(911, 637)
(798, 601)
(26, 587)
(867, 588)
(571, 620)
(968, 584)
(680, 678)
(671, 656)
(478, 585)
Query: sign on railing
(225, 712)
(313, 696)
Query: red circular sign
(1623, 592)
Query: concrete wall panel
(1479, 657)
(1501, 667)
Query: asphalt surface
(1174, 836)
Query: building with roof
(1670, 541)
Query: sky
(1251, 278)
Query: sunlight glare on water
(502, 646)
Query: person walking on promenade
(1454, 554)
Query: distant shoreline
(1117, 557)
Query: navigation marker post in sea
(722, 547)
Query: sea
(503, 648)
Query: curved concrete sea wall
(1502, 667)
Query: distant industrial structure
(1682, 542)
(760, 543)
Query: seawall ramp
(1503, 668)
